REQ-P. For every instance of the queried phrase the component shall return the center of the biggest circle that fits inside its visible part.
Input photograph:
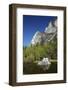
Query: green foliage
(37, 52)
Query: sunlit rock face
(46, 36)
(36, 38)
(52, 27)
(44, 63)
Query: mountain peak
(47, 35)
(52, 27)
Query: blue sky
(31, 24)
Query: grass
(53, 61)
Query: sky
(32, 24)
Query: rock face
(36, 38)
(46, 36)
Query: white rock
(44, 64)
(45, 61)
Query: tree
(37, 52)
